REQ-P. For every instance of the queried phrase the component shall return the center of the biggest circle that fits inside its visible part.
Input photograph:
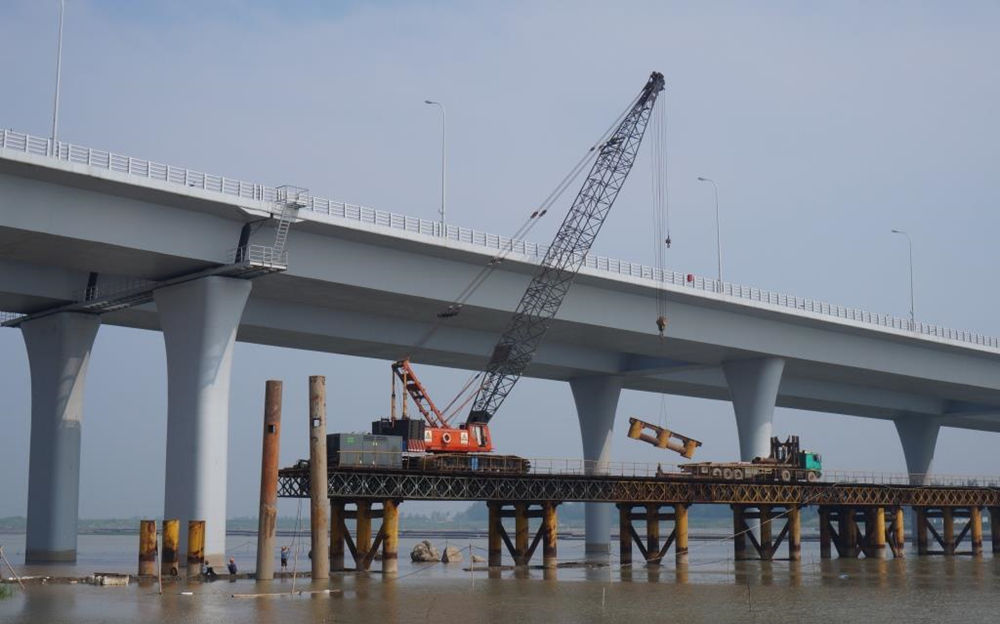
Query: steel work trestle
(521, 550)
(766, 545)
(651, 515)
(363, 550)
(508, 489)
(862, 530)
(856, 519)
(947, 539)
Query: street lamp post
(909, 242)
(444, 160)
(55, 105)
(718, 234)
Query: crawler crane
(467, 445)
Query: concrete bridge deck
(370, 283)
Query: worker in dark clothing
(209, 573)
(232, 566)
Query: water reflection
(780, 590)
(753, 571)
(681, 574)
(794, 573)
(265, 606)
(39, 604)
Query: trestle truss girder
(353, 484)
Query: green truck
(787, 463)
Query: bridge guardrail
(21, 142)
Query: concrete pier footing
(199, 321)
(58, 353)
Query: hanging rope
(295, 545)
(660, 207)
(455, 307)
(467, 389)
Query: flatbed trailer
(750, 471)
(787, 463)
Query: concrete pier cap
(753, 386)
(199, 320)
(58, 353)
(596, 401)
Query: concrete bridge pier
(918, 435)
(596, 401)
(753, 386)
(58, 353)
(199, 321)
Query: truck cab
(810, 461)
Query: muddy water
(712, 588)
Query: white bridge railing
(20, 142)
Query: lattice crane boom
(540, 302)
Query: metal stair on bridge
(247, 262)
(291, 199)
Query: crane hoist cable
(455, 307)
(548, 287)
(660, 210)
(448, 412)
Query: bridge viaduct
(90, 238)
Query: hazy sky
(825, 125)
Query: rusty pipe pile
(169, 558)
(196, 547)
(318, 493)
(147, 548)
(267, 520)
